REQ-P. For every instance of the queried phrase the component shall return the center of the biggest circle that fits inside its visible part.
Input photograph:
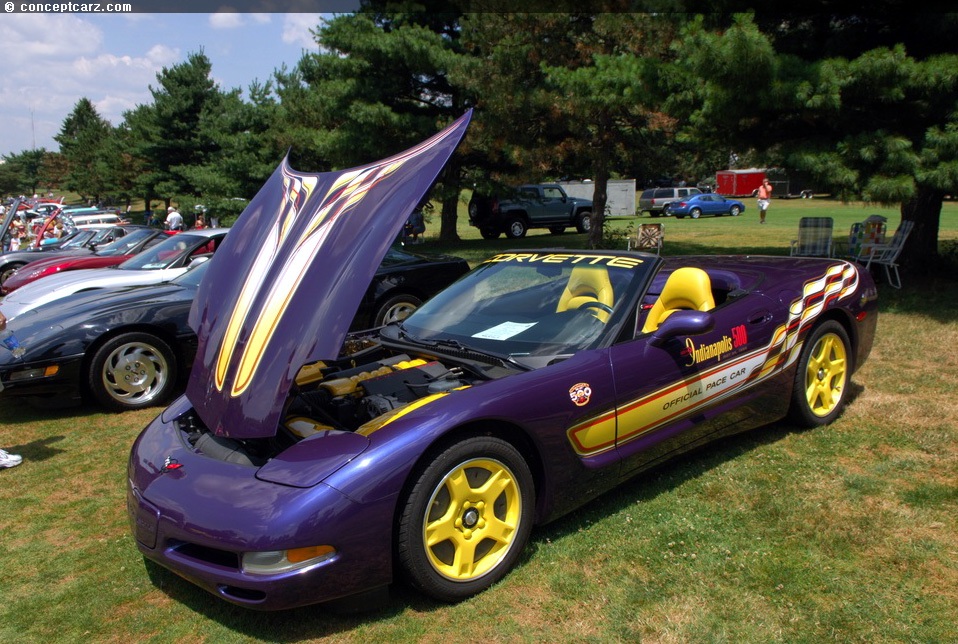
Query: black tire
(734, 211)
(132, 371)
(516, 228)
(489, 233)
(396, 309)
(556, 230)
(695, 213)
(9, 270)
(488, 528)
(820, 390)
(583, 222)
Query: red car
(111, 254)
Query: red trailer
(738, 183)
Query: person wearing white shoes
(7, 459)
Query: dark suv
(653, 200)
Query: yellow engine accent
(348, 386)
(310, 373)
(305, 427)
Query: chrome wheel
(131, 371)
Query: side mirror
(682, 323)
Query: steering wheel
(597, 305)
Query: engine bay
(365, 383)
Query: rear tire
(396, 309)
(466, 519)
(583, 223)
(820, 390)
(696, 213)
(489, 233)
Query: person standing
(764, 196)
(6, 458)
(174, 220)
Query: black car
(127, 348)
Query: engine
(335, 398)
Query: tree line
(865, 104)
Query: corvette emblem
(580, 393)
(171, 464)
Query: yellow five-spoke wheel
(821, 382)
(466, 518)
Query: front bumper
(198, 518)
(64, 385)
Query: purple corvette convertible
(303, 465)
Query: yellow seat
(588, 284)
(688, 289)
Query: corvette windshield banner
(285, 285)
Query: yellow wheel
(467, 519)
(821, 384)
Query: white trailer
(621, 195)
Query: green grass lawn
(844, 533)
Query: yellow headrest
(688, 289)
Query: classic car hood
(284, 286)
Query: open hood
(284, 286)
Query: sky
(48, 62)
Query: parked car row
(110, 325)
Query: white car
(159, 263)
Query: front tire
(516, 228)
(132, 371)
(9, 270)
(466, 519)
(820, 389)
(734, 211)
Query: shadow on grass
(293, 625)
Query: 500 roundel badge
(580, 393)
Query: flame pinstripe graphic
(285, 285)
(293, 253)
(637, 417)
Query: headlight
(276, 561)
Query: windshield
(531, 304)
(192, 276)
(77, 239)
(169, 252)
(124, 245)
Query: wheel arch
(90, 353)
(843, 318)
(506, 431)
